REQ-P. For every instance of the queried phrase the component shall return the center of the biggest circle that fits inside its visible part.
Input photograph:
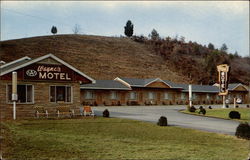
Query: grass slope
(223, 113)
(97, 56)
(113, 138)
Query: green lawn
(111, 138)
(223, 113)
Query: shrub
(119, 103)
(200, 107)
(105, 113)
(227, 106)
(210, 107)
(203, 111)
(162, 121)
(191, 109)
(134, 103)
(234, 115)
(248, 106)
(243, 131)
(236, 106)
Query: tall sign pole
(223, 71)
(190, 94)
(14, 93)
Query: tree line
(154, 35)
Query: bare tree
(76, 29)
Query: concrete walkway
(175, 118)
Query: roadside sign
(223, 70)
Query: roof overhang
(15, 61)
(201, 91)
(105, 88)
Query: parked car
(238, 101)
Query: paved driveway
(175, 118)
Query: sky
(204, 22)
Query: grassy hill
(110, 57)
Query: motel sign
(223, 70)
(48, 72)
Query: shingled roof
(199, 88)
(135, 82)
(13, 64)
(232, 86)
(106, 84)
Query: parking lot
(175, 118)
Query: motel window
(113, 95)
(60, 94)
(132, 95)
(238, 96)
(183, 96)
(166, 95)
(25, 93)
(89, 95)
(151, 95)
(208, 96)
(217, 97)
(194, 96)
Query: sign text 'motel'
(48, 72)
(223, 70)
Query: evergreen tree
(236, 54)
(129, 29)
(53, 30)
(211, 46)
(154, 35)
(224, 47)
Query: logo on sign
(31, 73)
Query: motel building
(45, 81)
(50, 82)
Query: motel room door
(123, 99)
(158, 98)
(99, 98)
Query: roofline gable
(239, 84)
(155, 80)
(15, 61)
(44, 57)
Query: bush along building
(50, 82)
